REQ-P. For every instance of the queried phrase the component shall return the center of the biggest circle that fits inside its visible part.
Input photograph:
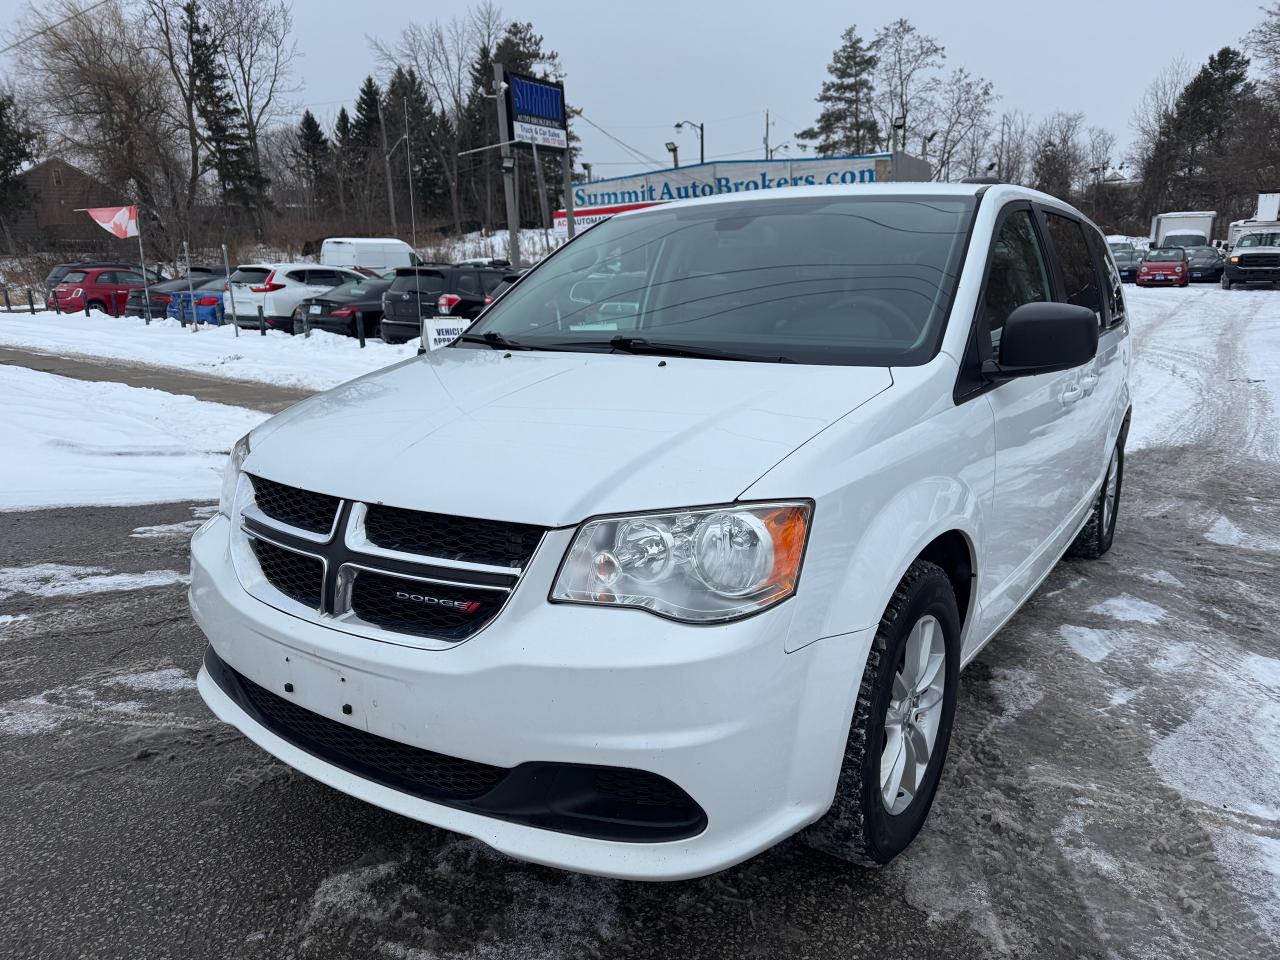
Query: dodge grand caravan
(681, 547)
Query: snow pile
(317, 362)
(64, 580)
(72, 443)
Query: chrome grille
(1252, 260)
(422, 608)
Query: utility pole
(508, 169)
(386, 161)
(766, 134)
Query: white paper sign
(442, 331)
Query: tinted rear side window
(468, 283)
(75, 276)
(250, 275)
(1079, 275)
(428, 281)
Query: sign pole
(542, 199)
(142, 262)
(508, 169)
(226, 265)
(568, 177)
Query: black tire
(1099, 531)
(97, 305)
(859, 828)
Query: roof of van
(365, 240)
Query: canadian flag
(121, 221)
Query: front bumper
(752, 734)
(1238, 274)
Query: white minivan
(680, 549)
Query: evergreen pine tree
(846, 123)
(313, 156)
(344, 153)
(223, 135)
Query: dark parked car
(1206, 263)
(335, 310)
(1127, 258)
(135, 306)
(58, 273)
(436, 290)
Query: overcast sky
(637, 68)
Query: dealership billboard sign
(600, 199)
(536, 112)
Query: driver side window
(1018, 274)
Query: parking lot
(1111, 789)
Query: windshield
(819, 279)
(1121, 247)
(1260, 240)
(1202, 253)
(1167, 256)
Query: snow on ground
(318, 362)
(66, 580)
(73, 443)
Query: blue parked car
(204, 301)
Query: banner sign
(599, 199)
(535, 111)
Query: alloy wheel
(914, 714)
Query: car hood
(552, 438)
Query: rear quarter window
(74, 276)
(428, 281)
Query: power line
(53, 26)
(627, 147)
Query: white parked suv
(278, 288)
(681, 548)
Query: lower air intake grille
(421, 608)
(452, 538)
(293, 574)
(314, 512)
(428, 774)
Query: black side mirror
(1044, 337)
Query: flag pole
(142, 262)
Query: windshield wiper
(496, 341)
(640, 345)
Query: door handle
(1072, 393)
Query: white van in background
(376, 253)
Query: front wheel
(901, 724)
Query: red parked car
(102, 288)
(1164, 266)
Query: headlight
(1235, 259)
(231, 475)
(703, 565)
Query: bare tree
(960, 117)
(105, 98)
(906, 80)
(1156, 106)
(1057, 155)
(258, 53)
(1263, 44)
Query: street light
(675, 154)
(698, 127)
(774, 151)
(587, 168)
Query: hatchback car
(106, 289)
(1164, 267)
(278, 288)
(681, 548)
(62, 269)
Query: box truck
(1193, 228)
